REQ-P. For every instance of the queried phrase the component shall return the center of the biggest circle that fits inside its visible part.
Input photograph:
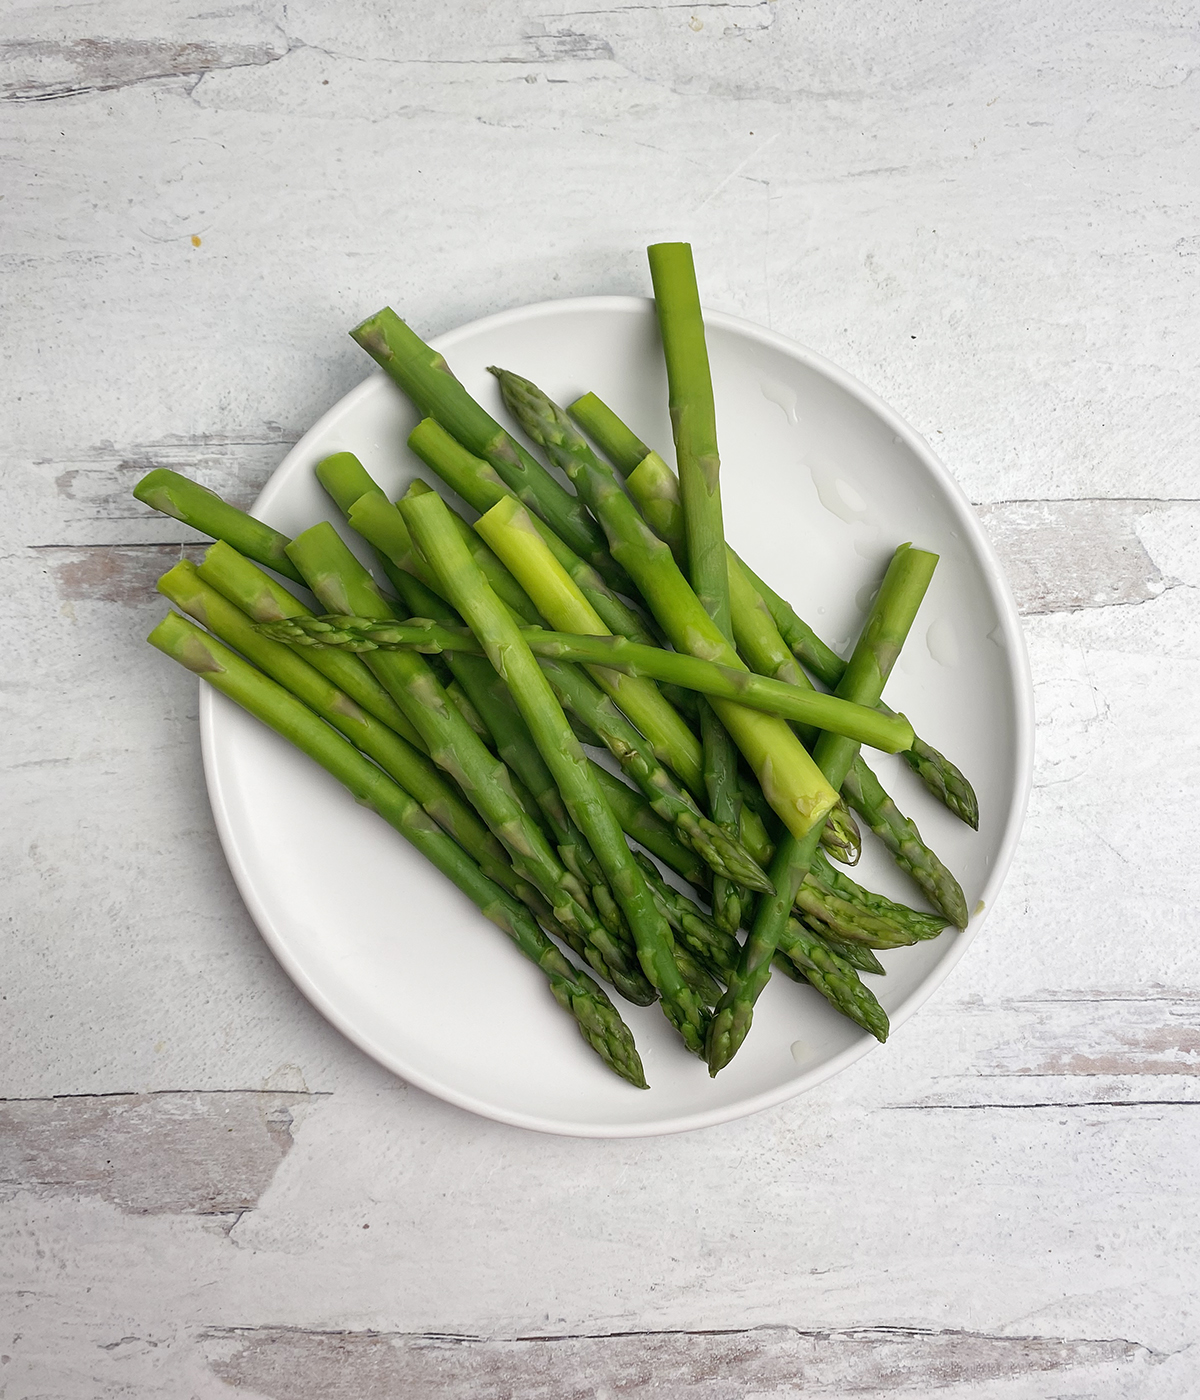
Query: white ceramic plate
(821, 481)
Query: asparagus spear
(721, 852)
(597, 1018)
(510, 737)
(477, 483)
(834, 977)
(900, 835)
(205, 511)
(426, 378)
(264, 600)
(477, 692)
(694, 421)
(586, 702)
(358, 634)
(653, 485)
(340, 581)
(702, 935)
(514, 535)
(184, 586)
(827, 877)
(429, 522)
(858, 955)
(790, 780)
(641, 823)
(619, 443)
(852, 922)
(940, 776)
(886, 627)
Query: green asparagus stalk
(475, 481)
(886, 627)
(830, 913)
(946, 782)
(429, 522)
(900, 835)
(507, 733)
(834, 896)
(597, 1018)
(692, 927)
(586, 702)
(264, 600)
(792, 784)
(614, 653)
(378, 521)
(184, 586)
(619, 443)
(834, 977)
(340, 581)
(828, 878)
(205, 511)
(345, 478)
(653, 485)
(426, 378)
(641, 823)
(476, 690)
(694, 421)
(858, 955)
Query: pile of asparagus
(459, 701)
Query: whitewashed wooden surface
(989, 214)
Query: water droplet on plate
(865, 596)
(839, 496)
(799, 1051)
(997, 638)
(784, 396)
(866, 542)
(942, 642)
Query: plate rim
(1019, 671)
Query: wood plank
(149, 1154)
(1061, 556)
(1058, 556)
(293, 1364)
(85, 497)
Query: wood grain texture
(153, 1154)
(987, 215)
(767, 1361)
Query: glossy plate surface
(820, 482)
